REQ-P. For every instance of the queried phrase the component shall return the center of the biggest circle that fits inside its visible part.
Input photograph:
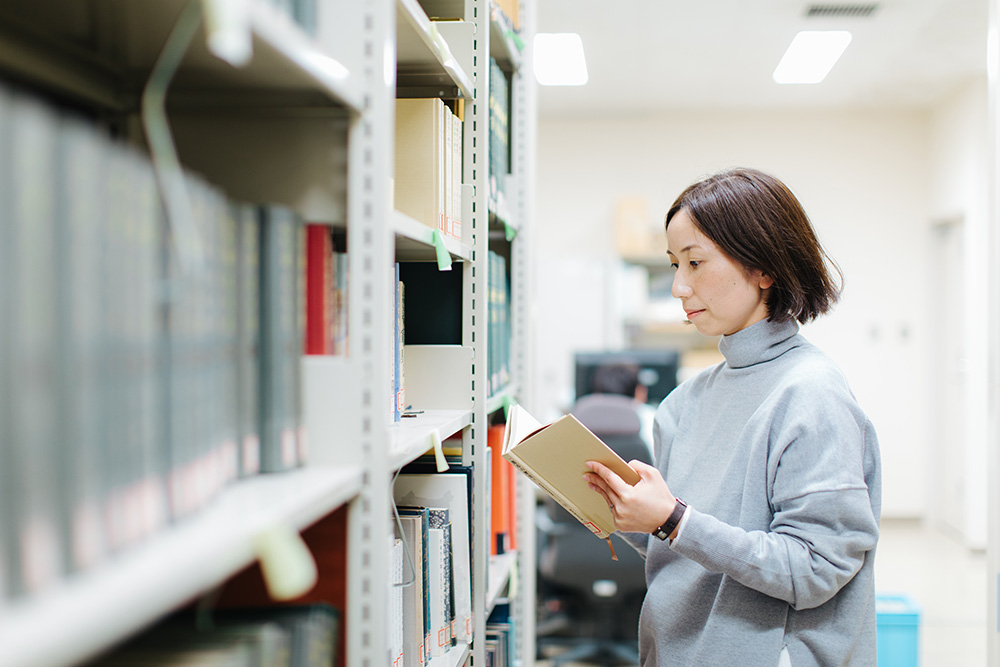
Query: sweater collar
(759, 342)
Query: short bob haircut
(756, 220)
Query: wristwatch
(664, 531)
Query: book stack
(428, 170)
(499, 331)
(433, 523)
(133, 387)
(499, 136)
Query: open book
(554, 457)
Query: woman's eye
(674, 265)
(694, 263)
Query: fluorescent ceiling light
(559, 59)
(811, 56)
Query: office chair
(602, 596)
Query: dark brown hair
(756, 220)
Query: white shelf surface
(90, 612)
(286, 41)
(415, 241)
(413, 436)
(285, 59)
(420, 48)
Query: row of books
(432, 567)
(428, 167)
(132, 387)
(304, 636)
(503, 495)
(498, 357)
(499, 135)
(501, 637)
(326, 293)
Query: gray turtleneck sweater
(780, 469)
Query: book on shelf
(398, 383)
(414, 530)
(499, 493)
(30, 152)
(319, 290)
(554, 457)
(248, 337)
(441, 575)
(499, 132)
(394, 601)
(340, 302)
(428, 171)
(80, 202)
(280, 339)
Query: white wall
(959, 201)
(864, 177)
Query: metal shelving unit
(304, 118)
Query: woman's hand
(641, 508)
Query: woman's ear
(764, 281)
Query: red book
(319, 290)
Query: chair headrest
(611, 414)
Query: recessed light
(811, 56)
(559, 59)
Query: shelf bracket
(162, 150)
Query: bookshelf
(292, 105)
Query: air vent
(841, 11)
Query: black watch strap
(664, 531)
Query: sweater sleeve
(823, 519)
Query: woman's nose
(679, 289)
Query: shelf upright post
(370, 245)
(475, 307)
(523, 154)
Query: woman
(769, 557)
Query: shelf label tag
(509, 231)
(442, 463)
(443, 256)
(288, 566)
(514, 581)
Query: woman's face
(718, 295)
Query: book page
(520, 424)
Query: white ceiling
(647, 55)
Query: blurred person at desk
(769, 557)
(617, 383)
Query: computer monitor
(657, 370)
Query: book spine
(248, 371)
(319, 290)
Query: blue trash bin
(897, 619)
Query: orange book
(499, 500)
(510, 481)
